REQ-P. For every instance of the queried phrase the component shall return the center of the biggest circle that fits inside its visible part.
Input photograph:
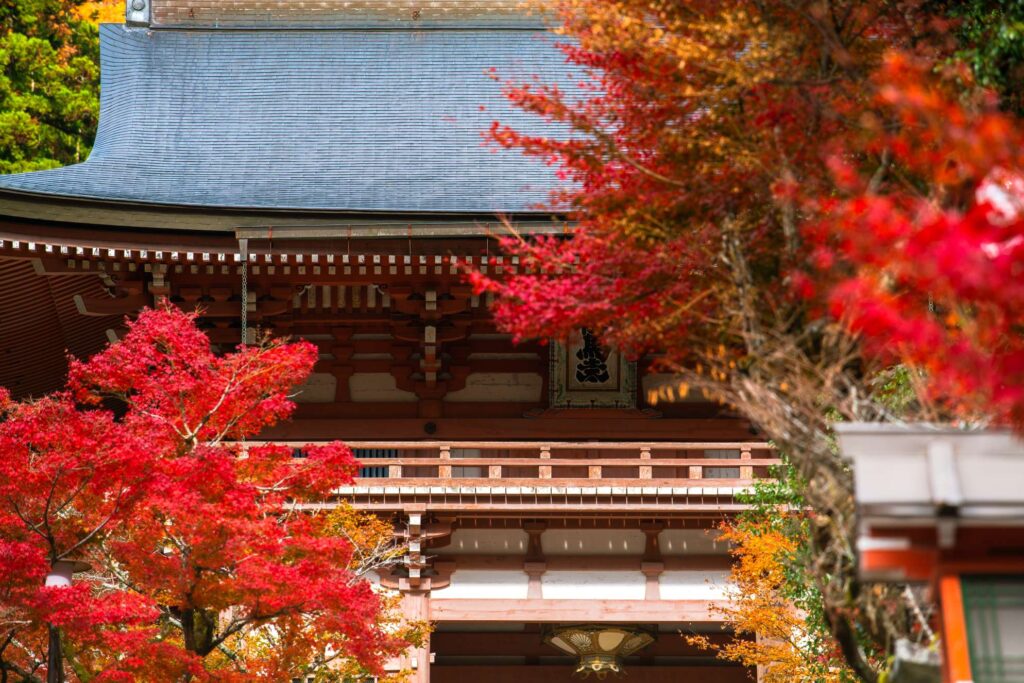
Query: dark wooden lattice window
(379, 471)
(722, 472)
(994, 611)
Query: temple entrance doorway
(509, 652)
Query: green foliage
(49, 84)
(894, 389)
(776, 506)
(991, 33)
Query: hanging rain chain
(243, 247)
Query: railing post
(394, 471)
(445, 471)
(696, 471)
(594, 472)
(646, 471)
(746, 471)
(494, 471)
(544, 471)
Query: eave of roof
(40, 207)
(234, 128)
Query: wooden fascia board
(597, 611)
(82, 212)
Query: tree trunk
(54, 659)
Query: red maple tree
(805, 210)
(197, 546)
(931, 269)
(737, 168)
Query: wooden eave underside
(44, 266)
(70, 289)
(39, 324)
(38, 210)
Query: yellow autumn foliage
(757, 607)
(101, 11)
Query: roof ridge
(287, 14)
(537, 26)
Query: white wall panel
(593, 542)
(319, 388)
(485, 542)
(694, 584)
(371, 387)
(593, 585)
(524, 387)
(485, 584)
(675, 542)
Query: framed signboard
(584, 374)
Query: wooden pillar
(646, 471)
(544, 471)
(416, 607)
(746, 471)
(652, 564)
(445, 471)
(534, 565)
(342, 375)
(416, 593)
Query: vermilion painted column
(957, 655)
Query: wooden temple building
(318, 169)
(942, 508)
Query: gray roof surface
(325, 120)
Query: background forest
(49, 90)
(753, 174)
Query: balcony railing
(517, 463)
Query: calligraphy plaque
(585, 374)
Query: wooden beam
(489, 644)
(497, 673)
(599, 611)
(580, 461)
(105, 306)
(496, 507)
(707, 430)
(534, 482)
(593, 562)
(556, 446)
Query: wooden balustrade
(567, 463)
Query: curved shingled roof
(322, 120)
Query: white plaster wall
(485, 542)
(593, 585)
(696, 584)
(486, 584)
(675, 542)
(319, 388)
(374, 580)
(593, 542)
(367, 387)
(524, 387)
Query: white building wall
(697, 584)
(485, 542)
(593, 542)
(676, 542)
(482, 584)
(592, 585)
